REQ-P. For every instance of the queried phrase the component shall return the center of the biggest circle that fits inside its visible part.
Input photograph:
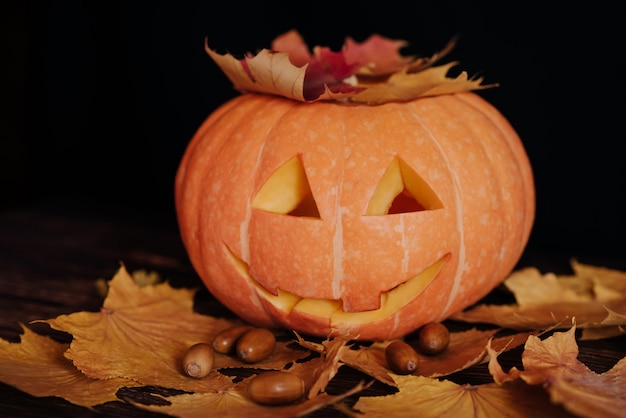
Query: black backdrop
(99, 98)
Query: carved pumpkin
(326, 217)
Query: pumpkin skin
(354, 265)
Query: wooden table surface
(51, 256)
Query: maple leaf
(267, 72)
(141, 333)
(324, 69)
(608, 285)
(318, 372)
(235, 402)
(284, 355)
(36, 365)
(292, 43)
(531, 288)
(466, 349)
(333, 351)
(370, 359)
(377, 55)
(142, 277)
(427, 397)
(552, 364)
(596, 297)
(371, 72)
(403, 85)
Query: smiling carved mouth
(390, 302)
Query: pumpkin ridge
(244, 234)
(483, 108)
(521, 157)
(499, 187)
(338, 284)
(507, 209)
(182, 186)
(187, 180)
(495, 185)
(460, 261)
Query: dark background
(99, 98)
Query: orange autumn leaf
(142, 333)
(531, 288)
(284, 355)
(608, 285)
(425, 397)
(466, 349)
(142, 277)
(596, 297)
(235, 402)
(377, 55)
(36, 365)
(333, 350)
(370, 359)
(371, 72)
(403, 85)
(282, 79)
(317, 372)
(553, 365)
(134, 317)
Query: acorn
(226, 340)
(255, 345)
(433, 338)
(198, 360)
(401, 357)
(276, 387)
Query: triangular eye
(287, 191)
(402, 190)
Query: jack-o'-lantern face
(287, 193)
(326, 218)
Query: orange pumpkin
(331, 217)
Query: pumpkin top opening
(371, 72)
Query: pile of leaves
(140, 334)
(370, 72)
